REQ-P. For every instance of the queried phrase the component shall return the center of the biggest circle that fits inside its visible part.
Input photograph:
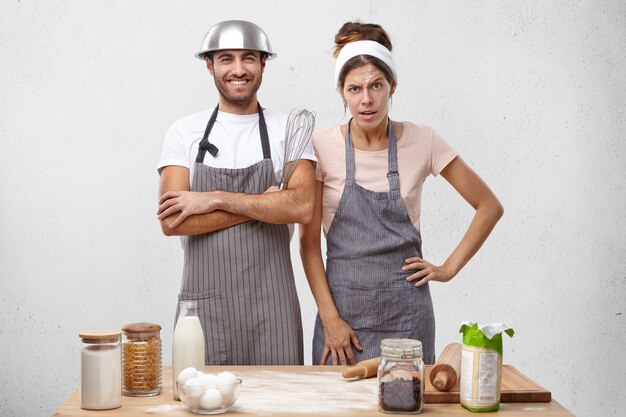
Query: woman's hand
(338, 340)
(187, 203)
(426, 271)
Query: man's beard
(237, 100)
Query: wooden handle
(447, 370)
(364, 369)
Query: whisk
(300, 125)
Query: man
(217, 171)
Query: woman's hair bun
(357, 31)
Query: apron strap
(349, 156)
(392, 176)
(265, 138)
(392, 156)
(205, 145)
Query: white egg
(211, 399)
(194, 387)
(191, 402)
(186, 374)
(226, 382)
(210, 380)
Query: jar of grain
(401, 376)
(100, 370)
(141, 359)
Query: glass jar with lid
(141, 359)
(100, 370)
(401, 376)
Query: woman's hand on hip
(338, 341)
(425, 271)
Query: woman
(369, 175)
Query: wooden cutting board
(516, 388)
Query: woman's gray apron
(369, 238)
(242, 275)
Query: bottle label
(481, 375)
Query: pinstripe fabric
(368, 240)
(243, 280)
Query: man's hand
(175, 182)
(182, 212)
(187, 203)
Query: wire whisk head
(300, 125)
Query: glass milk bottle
(100, 370)
(188, 343)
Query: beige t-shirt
(421, 152)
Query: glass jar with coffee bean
(401, 376)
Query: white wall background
(532, 93)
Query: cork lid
(100, 336)
(141, 327)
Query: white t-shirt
(236, 136)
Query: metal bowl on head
(235, 34)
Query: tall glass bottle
(188, 342)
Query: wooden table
(299, 391)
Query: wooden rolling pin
(447, 370)
(364, 369)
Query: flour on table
(165, 408)
(268, 392)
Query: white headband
(370, 48)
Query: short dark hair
(209, 55)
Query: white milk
(187, 347)
(101, 377)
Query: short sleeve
(308, 152)
(174, 151)
(442, 153)
(315, 138)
